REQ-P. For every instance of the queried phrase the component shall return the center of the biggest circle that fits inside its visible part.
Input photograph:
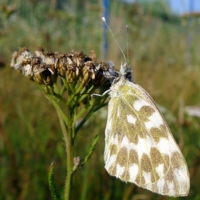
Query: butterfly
(139, 146)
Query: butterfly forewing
(139, 146)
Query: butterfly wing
(139, 146)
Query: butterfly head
(126, 72)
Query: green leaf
(91, 150)
(52, 184)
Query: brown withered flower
(22, 61)
(75, 68)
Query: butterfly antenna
(127, 46)
(104, 20)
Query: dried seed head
(14, 59)
(39, 52)
(49, 58)
(43, 73)
(75, 67)
(21, 59)
(77, 58)
(89, 68)
(61, 64)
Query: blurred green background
(164, 54)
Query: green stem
(59, 110)
(82, 112)
(92, 108)
(83, 96)
(68, 129)
(70, 152)
(69, 147)
(68, 86)
(80, 90)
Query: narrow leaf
(91, 150)
(52, 185)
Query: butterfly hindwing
(139, 146)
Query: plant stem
(69, 147)
(68, 130)
(70, 154)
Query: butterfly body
(139, 146)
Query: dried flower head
(75, 67)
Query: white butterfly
(139, 147)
